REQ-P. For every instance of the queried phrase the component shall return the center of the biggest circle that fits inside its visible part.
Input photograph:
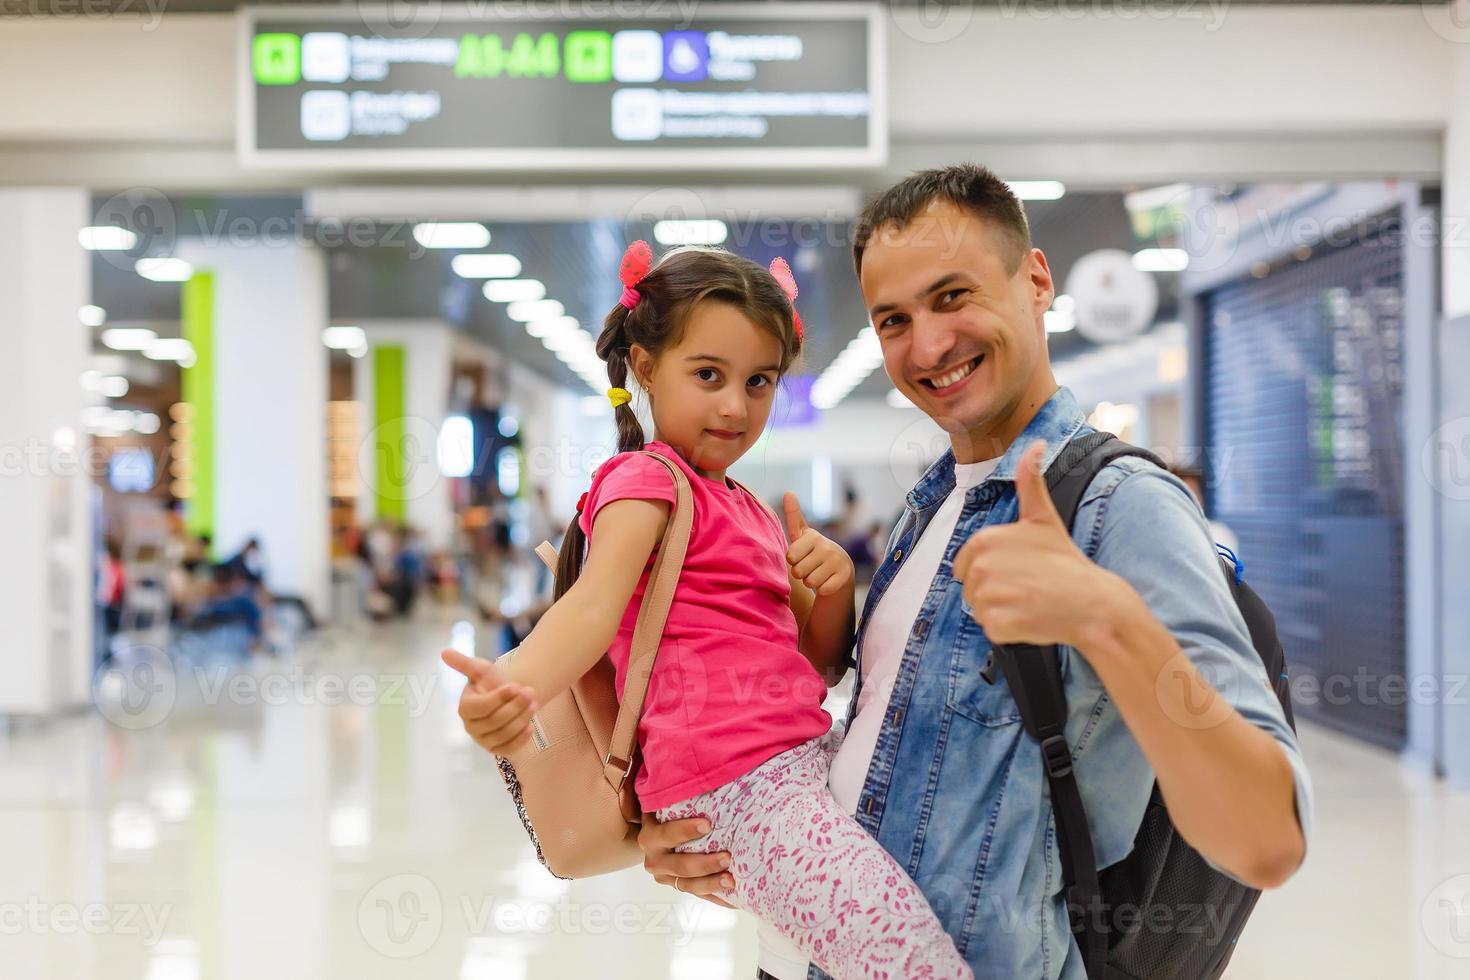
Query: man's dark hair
(965, 185)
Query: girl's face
(711, 393)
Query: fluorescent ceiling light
(346, 338)
(514, 290)
(485, 265)
(1161, 260)
(1037, 190)
(164, 270)
(1154, 197)
(170, 349)
(451, 234)
(113, 386)
(92, 316)
(690, 231)
(541, 309)
(551, 325)
(568, 340)
(128, 338)
(862, 355)
(106, 238)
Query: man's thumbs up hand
(1026, 582)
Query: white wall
(270, 409)
(46, 575)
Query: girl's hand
(816, 561)
(496, 713)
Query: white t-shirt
(884, 639)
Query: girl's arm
(581, 625)
(826, 624)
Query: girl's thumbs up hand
(816, 561)
(496, 714)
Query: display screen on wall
(463, 87)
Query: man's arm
(1230, 786)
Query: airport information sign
(721, 87)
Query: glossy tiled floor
(325, 817)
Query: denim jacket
(956, 791)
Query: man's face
(961, 332)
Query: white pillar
(269, 407)
(1456, 191)
(417, 486)
(46, 576)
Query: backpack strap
(1034, 674)
(653, 612)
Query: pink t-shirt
(730, 689)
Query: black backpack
(1110, 911)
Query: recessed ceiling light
(344, 338)
(514, 290)
(1161, 260)
(128, 338)
(451, 234)
(164, 270)
(1037, 190)
(541, 309)
(170, 349)
(106, 238)
(690, 231)
(485, 265)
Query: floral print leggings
(806, 867)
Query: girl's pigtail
(612, 347)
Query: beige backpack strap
(648, 632)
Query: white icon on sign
(325, 115)
(637, 114)
(637, 56)
(325, 57)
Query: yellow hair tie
(619, 396)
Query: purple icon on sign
(686, 56)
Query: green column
(389, 432)
(197, 389)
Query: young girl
(732, 728)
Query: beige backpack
(573, 784)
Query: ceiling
(386, 275)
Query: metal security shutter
(1303, 413)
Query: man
(935, 763)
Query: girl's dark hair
(681, 280)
